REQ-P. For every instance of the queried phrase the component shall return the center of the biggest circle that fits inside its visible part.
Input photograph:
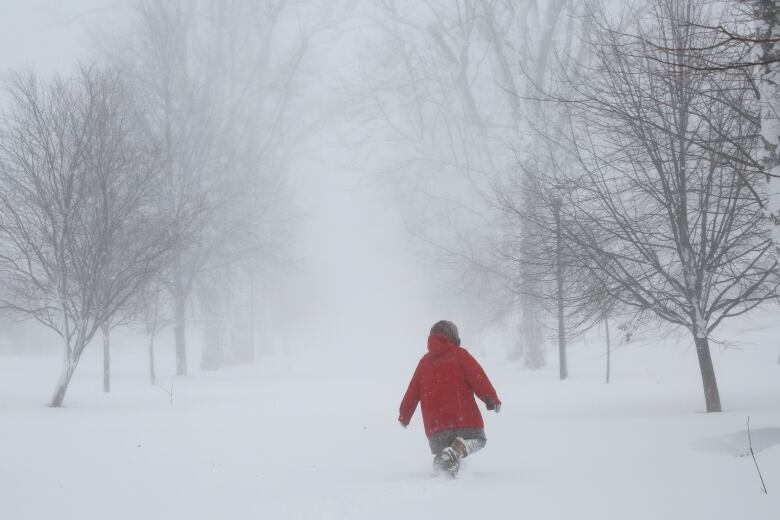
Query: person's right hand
(492, 405)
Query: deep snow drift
(315, 436)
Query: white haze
(354, 283)
(309, 429)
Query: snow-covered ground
(314, 436)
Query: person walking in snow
(445, 382)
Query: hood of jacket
(439, 344)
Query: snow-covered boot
(450, 461)
(461, 447)
(450, 456)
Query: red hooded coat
(445, 382)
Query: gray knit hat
(448, 329)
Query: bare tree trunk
(62, 384)
(564, 372)
(211, 358)
(179, 328)
(768, 25)
(68, 364)
(533, 346)
(106, 358)
(460, 77)
(531, 333)
(609, 349)
(68, 368)
(152, 375)
(554, 10)
(151, 331)
(506, 78)
(213, 328)
(252, 319)
(711, 395)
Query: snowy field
(314, 437)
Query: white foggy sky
(47, 35)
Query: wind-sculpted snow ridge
(736, 444)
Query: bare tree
(151, 310)
(445, 101)
(77, 236)
(220, 81)
(754, 27)
(664, 197)
(180, 118)
(768, 41)
(564, 281)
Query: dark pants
(474, 437)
